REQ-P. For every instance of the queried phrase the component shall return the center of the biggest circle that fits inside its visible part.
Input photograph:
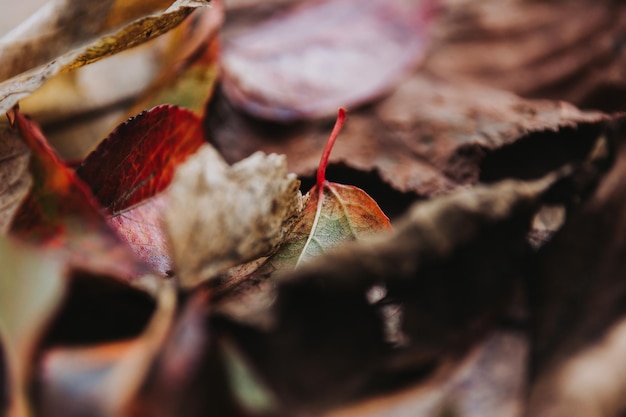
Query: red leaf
(134, 164)
(138, 159)
(60, 211)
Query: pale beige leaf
(220, 216)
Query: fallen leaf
(323, 55)
(432, 267)
(576, 294)
(78, 108)
(490, 380)
(31, 288)
(188, 81)
(92, 49)
(61, 212)
(15, 180)
(56, 28)
(166, 134)
(239, 212)
(334, 214)
(566, 51)
(428, 137)
(127, 183)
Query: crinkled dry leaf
(577, 292)
(323, 55)
(191, 84)
(94, 48)
(14, 177)
(561, 50)
(489, 381)
(450, 266)
(427, 137)
(56, 28)
(31, 288)
(220, 216)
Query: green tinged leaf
(343, 213)
(335, 214)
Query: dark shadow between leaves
(392, 202)
(536, 154)
(99, 309)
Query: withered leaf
(93, 48)
(323, 55)
(219, 216)
(490, 380)
(14, 177)
(577, 293)
(121, 177)
(79, 108)
(564, 50)
(428, 137)
(433, 268)
(61, 212)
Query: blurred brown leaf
(577, 294)
(428, 137)
(561, 50)
(433, 268)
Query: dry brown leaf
(489, 381)
(429, 136)
(562, 50)
(15, 180)
(577, 301)
(449, 266)
(93, 48)
(220, 216)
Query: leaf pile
(459, 251)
